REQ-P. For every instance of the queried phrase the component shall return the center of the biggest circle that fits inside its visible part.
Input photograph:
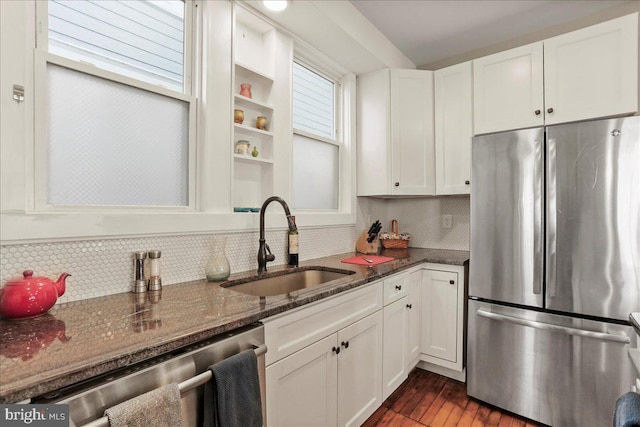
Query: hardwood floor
(428, 399)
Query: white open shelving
(254, 64)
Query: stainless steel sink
(284, 282)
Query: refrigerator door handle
(551, 217)
(602, 336)
(537, 219)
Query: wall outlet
(447, 221)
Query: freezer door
(593, 217)
(506, 217)
(557, 370)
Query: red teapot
(30, 296)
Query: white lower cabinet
(334, 362)
(326, 365)
(443, 317)
(335, 381)
(301, 389)
(401, 345)
(394, 368)
(414, 304)
(360, 370)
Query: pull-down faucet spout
(264, 252)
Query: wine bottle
(293, 246)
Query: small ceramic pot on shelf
(242, 147)
(261, 123)
(238, 116)
(245, 90)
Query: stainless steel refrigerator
(555, 269)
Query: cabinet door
(394, 360)
(592, 72)
(360, 370)
(302, 388)
(373, 134)
(412, 145)
(440, 314)
(508, 90)
(453, 129)
(413, 305)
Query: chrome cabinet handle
(602, 336)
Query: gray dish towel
(627, 412)
(232, 397)
(157, 408)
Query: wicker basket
(395, 243)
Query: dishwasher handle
(602, 336)
(184, 387)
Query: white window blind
(316, 174)
(313, 102)
(141, 39)
(114, 144)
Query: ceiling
(427, 31)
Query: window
(316, 147)
(120, 122)
(140, 39)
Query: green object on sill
(246, 209)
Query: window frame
(42, 57)
(344, 138)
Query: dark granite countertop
(78, 340)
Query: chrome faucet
(264, 252)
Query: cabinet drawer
(291, 332)
(394, 288)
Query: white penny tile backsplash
(103, 267)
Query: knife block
(364, 247)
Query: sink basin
(284, 282)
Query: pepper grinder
(155, 282)
(139, 284)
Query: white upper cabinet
(453, 128)
(588, 73)
(592, 72)
(508, 90)
(395, 133)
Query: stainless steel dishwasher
(188, 366)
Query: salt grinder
(155, 282)
(139, 282)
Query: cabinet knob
(467, 182)
(537, 112)
(409, 306)
(549, 110)
(345, 344)
(336, 350)
(397, 184)
(452, 282)
(398, 287)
